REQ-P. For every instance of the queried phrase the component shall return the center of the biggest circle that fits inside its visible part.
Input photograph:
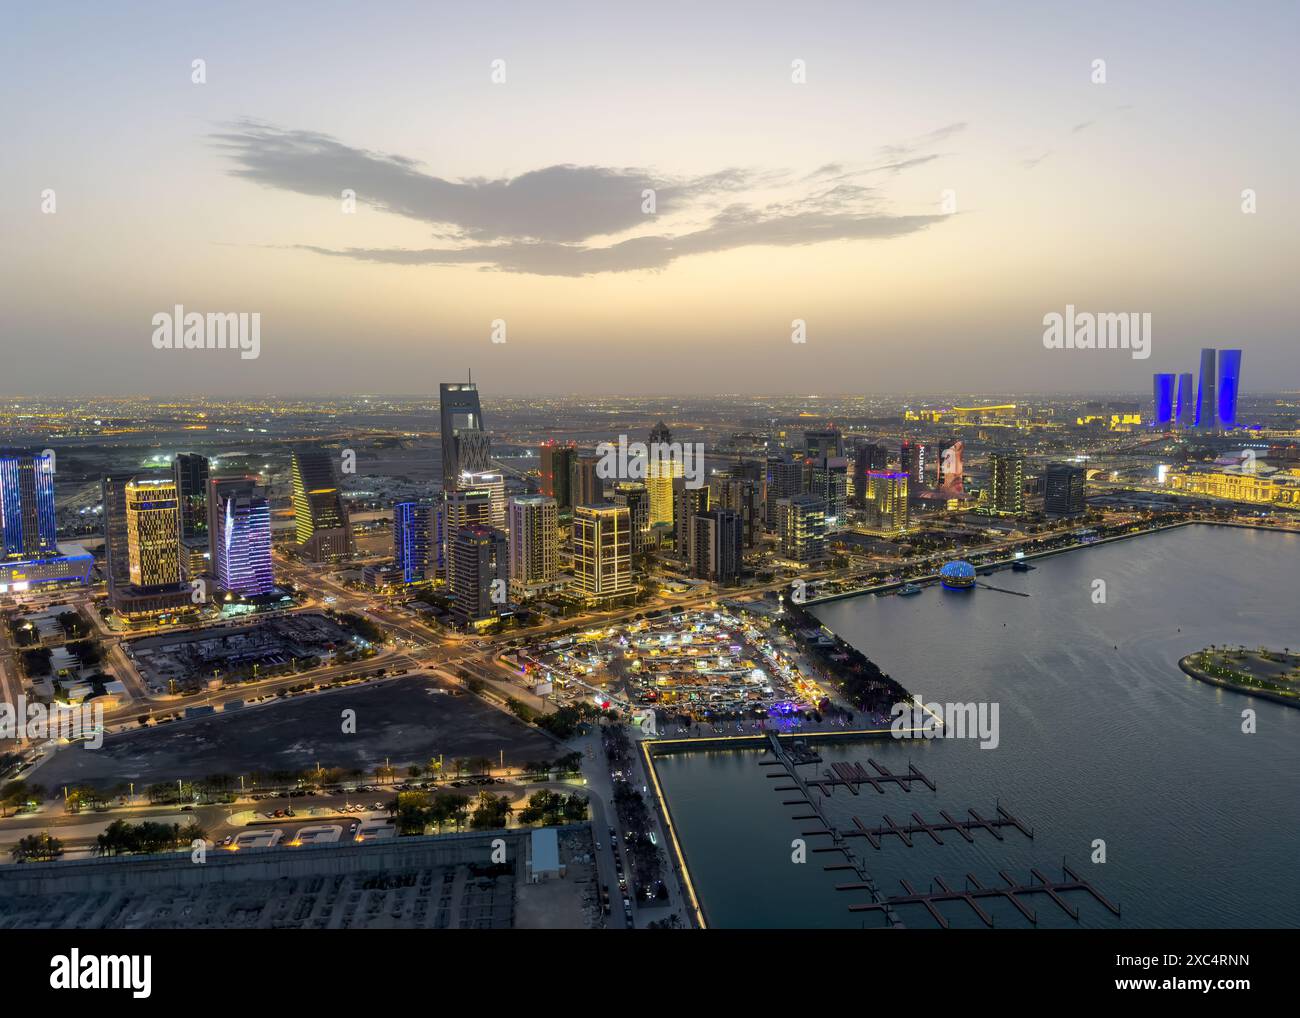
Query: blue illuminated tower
(28, 526)
(1185, 411)
(1164, 401)
(1229, 377)
(1206, 407)
(415, 532)
(243, 543)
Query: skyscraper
(801, 528)
(462, 508)
(1164, 401)
(190, 472)
(1228, 382)
(1185, 411)
(636, 497)
(868, 456)
(950, 467)
(1063, 490)
(911, 460)
(886, 508)
(660, 474)
(830, 482)
(740, 494)
(494, 483)
(784, 480)
(28, 525)
(415, 535)
(557, 470)
(465, 444)
(688, 503)
(825, 442)
(534, 544)
(586, 484)
(714, 539)
(602, 552)
(481, 574)
(152, 532)
(243, 542)
(1206, 406)
(323, 530)
(1007, 483)
(117, 559)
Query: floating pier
(974, 891)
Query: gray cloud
(539, 221)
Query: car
(228, 839)
(378, 805)
(290, 813)
(353, 828)
(598, 848)
(187, 809)
(277, 813)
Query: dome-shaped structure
(957, 575)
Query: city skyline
(914, 216)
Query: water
(1102, 738)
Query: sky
(918, 184)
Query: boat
(908, 589)
(1020, 566)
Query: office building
(557, 466)
(28, 525)
(911, 460)
(465, 444)
(801, 529)
(480, 588)
(636, 497)
(322, 529)
(868, 456)
(494, 483)
(785, 479)
(534, 545)
(742, 495)
(1006, 483)
(415, 541)
(602, 552)
(243, 543)
(688, 502)
(586, 484)
(1185, 401)
(828, 442)
(714, 545)
(190, 474)
(152, 532)
(1063, 490)
(660, 474)
(886, 510)
(1229, 379)
(462, 507)
(1163, 416)
(117, 569)
(829, 481)
(1206, 404)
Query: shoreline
(1185, 664)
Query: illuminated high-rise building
(1206, 405)
(742, 495)
(557, 464)
(1185, 401)
(494, 483)
(462, 508)
(801, 529)
(785, 479)
(190, 472)
(688, 503)
(602, 552)
(911, 460)
(465, 445)
(117, 558)
(481, 576)
(636, 497)
(950, 467)
(826, 442)
(28, 525)
(886, 508)
(534, 544)
(660, 474)
(829, 481)
(867, 456)
(1229, 380)
(1164, 401)
(415, 536)
(152, 532)
(243, 543)
(714, 545)
(323, 530)
(1007, 483)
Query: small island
(1272, 674)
